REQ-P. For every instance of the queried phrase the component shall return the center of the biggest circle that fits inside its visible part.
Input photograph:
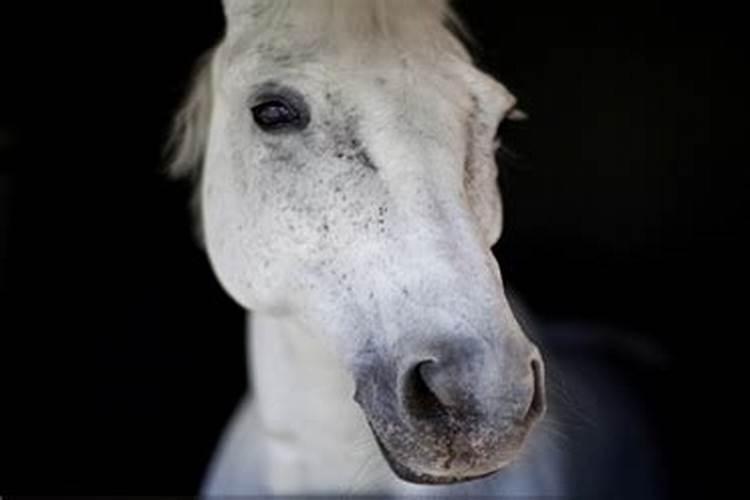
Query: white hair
(410, 25)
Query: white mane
(407, 25)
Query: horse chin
(407, 474)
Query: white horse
(345, 155)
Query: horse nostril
(420, 401)
(433, 389)
(538, 403)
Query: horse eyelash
(517, 115)
(503, 153)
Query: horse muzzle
(452, 410)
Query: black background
(122, 356)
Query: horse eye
(512, 137)
(277, 113)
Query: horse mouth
(407, 474)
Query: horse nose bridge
(429, 206)
(438, 289)
(450, 256)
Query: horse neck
(315, 435)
